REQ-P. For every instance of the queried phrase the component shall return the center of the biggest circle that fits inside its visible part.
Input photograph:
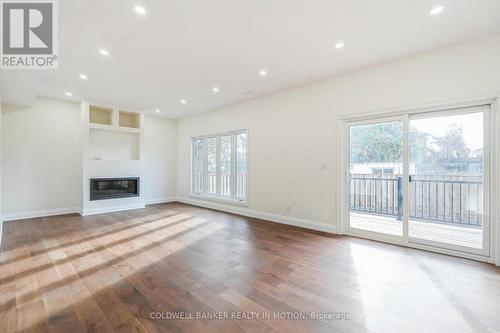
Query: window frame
(233, 199)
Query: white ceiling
(182, 48)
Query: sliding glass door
(447, 178)
(421, 179)
(375, 177)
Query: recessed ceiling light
(183, 101)
(67, 93)
(140, 10)
(83, 77)
(262, 72)
(157, 110)
(104, 52)
(339, 45)
(437, 10)
(215, 89)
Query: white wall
(1, 221)
(112, 145)
(42, 166)
(160, 157)
(293, 133)
(41, 158)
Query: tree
(383, 143)
(452, 153)
(377, 143)
(421, 150)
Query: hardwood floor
(119, 272)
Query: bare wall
(160, 155)
(41, 165)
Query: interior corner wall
(293, 148)
(41, 162)
(41, 165)
(160, 154)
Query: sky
(471, 123)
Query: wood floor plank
(90, 315)
(8, 319)
(115, 272)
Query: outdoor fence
(454, 199)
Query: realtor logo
(29, 34)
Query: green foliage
(377, 143)
(382, 143)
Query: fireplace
(113, 188)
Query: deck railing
(438, 199)
(225, 184)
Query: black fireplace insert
(113, 188)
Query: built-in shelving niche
(114, 134)
(100, 115)
(129, 119)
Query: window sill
(219, 200)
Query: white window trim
(218, 197)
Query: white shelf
(115, 128)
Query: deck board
(444, 233)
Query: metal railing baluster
(383, 196)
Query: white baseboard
(213, 205)
(78, 210)
(40, 213)
(112, 209)
(262, 215)
(159, 200)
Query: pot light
(215, 89)
(67, 93)
(437, 10)
(339, 45)
(262, 72)
(140, 10)
(157, 110)
(104, 52)
(83, 77)
(183, 101)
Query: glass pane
(225, 166)
(446, 184)
(198, 166)
(241, 165)
(375, 184)
(211, 165)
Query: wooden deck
(449, 234)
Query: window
(198, 166)
(220, 166)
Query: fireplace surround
(113, 188)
